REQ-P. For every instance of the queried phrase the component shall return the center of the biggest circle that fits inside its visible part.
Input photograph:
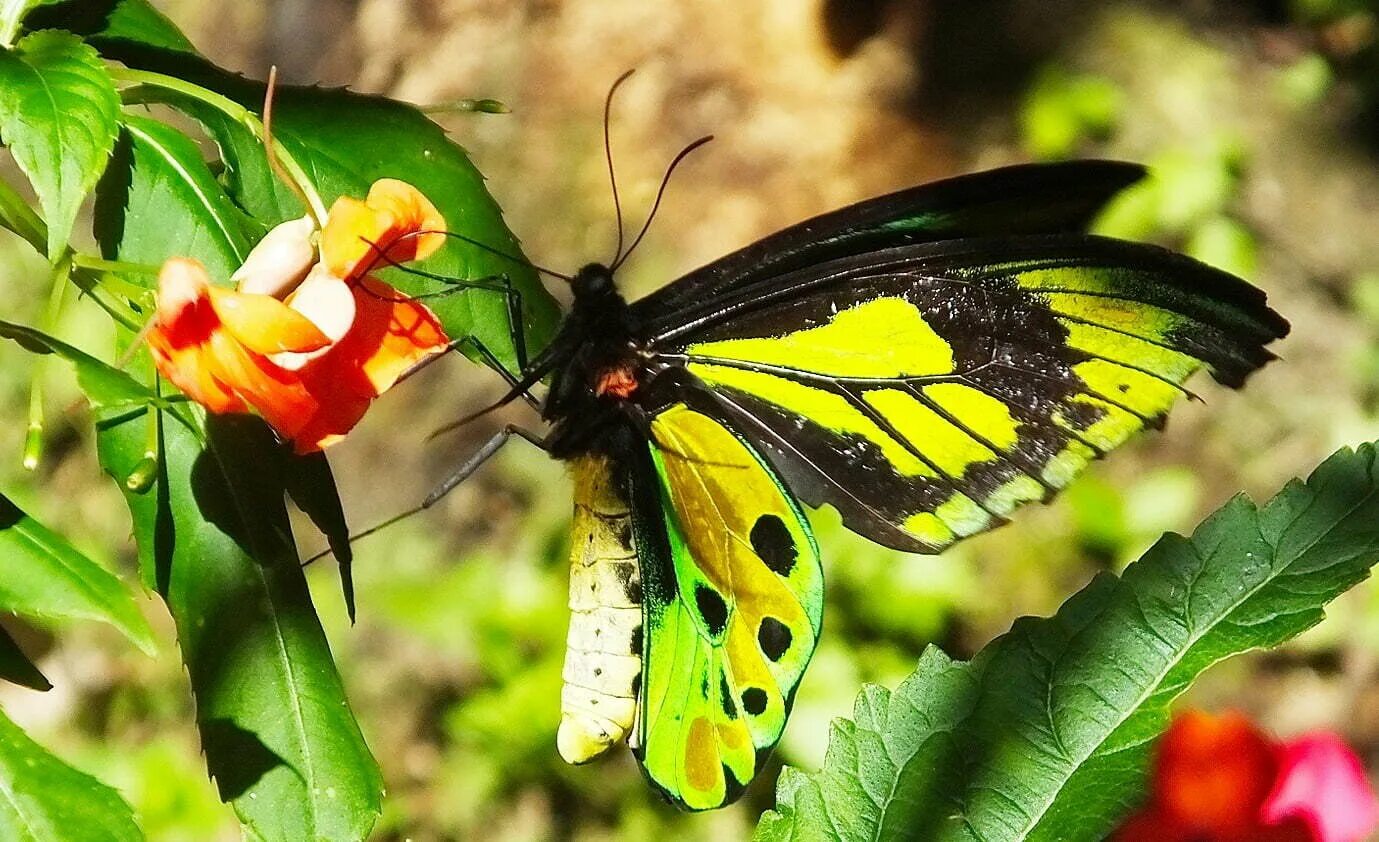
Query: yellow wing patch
(881, 338)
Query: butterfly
(924, 362)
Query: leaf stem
(100, 264)
(235, 112)
(141, 479)
(88, 282)
(33, 438)
(17, 216)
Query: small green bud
(141, 479)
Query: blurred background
(1259, 117)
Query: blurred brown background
(1258, 117)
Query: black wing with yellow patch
(732, 593)
(927, 390)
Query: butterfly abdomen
(603, 656)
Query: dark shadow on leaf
(238, 485)
(311, 485)
(10, 514)
(236, 757)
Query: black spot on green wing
(772, 542)
(725, 697)
(712, 608)
(774, 637)
(754, 701)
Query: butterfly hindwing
(926, 391)
(733, 598)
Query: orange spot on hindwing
(701, 756)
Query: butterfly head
(594, 283)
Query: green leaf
(133, 23)
(159, 193)
(279, 736)
(12, 14)
(103, 384)
(58, 112)
(215, 541)
(42, 799)
(47, 577)
(16, 667)
(1047, 733)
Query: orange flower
(1220, 779)
(306, 343)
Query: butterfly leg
(449, 484)
(480, 456)
(489, 358)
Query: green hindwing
(733, 602)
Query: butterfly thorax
(589, 393)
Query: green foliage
(58, 110)
(159, 199)
(45, 799)
(1046, 733)
(104, 385)
(1226, 244)
(46, 577)
(1062, 111)
(215, 543)
(213, 536)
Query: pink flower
(1222, 779)
(1323, 783)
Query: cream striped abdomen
(603, 655)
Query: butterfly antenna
(380, 248)
(608, 155)
(655, 206)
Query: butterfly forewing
(733, 598)
(1022, 199)
(926, 391)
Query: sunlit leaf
(160, 193)
(1046, 733)
(46, 577)
(46, 800)
(58, 109)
